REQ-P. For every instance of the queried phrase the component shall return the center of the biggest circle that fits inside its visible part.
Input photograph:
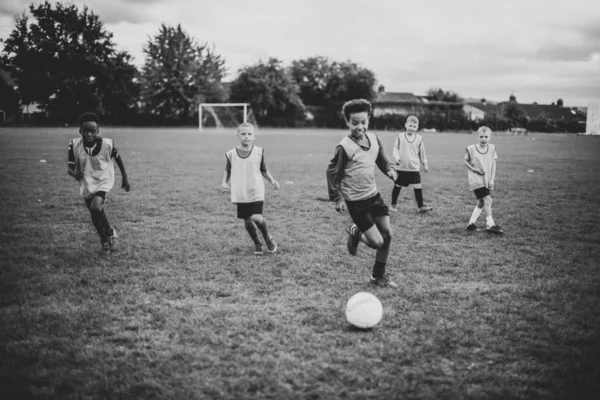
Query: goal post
(224, 115)
(592, 126)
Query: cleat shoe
(353, 239)
(112, 239)
(424, 209)
(258, 250)
(495, 229)
(383, 281)
(271, 245)
(471, 227)
(105, 246)
(393, 208)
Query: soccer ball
(364, 310)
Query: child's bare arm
(125, 179)
(267, 175)
(492, 175)
(224, 185)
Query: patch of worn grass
(184, 310)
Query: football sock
(101, 223)
(419, 197)
(378, 269)
(263, 229)
(251, 228)
(476, 213)
(395, 194)
(489, 221)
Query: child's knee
(96, 206)
(257, 218)
(488, 201)
(480, 203)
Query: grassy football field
(184, 310)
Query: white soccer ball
(364, 310)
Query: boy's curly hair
(88, 117)
(356, 106)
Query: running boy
(90, 163)
(409, 154)
(246, 168)
(480, 161)
(351, 185)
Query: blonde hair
(245, 125)
(412, 118)
(485, 129)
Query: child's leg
(99, 218)
(382, 224)
(395, 194)
(487, 208)
(261, 223)
(476, 211)
(418, 194)
(251, 228)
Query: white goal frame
(244, 105)
(592, 126)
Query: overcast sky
(540, 50)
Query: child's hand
(78, 176)
(340, 206)
(224, 188)
(392, 174)
(125, 185)
(425, 168)
(479, 171)
(275, 184)
(490, 184)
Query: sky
(538, 50)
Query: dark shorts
(88, 200)
(362, 212)
(481, 193)
(246, 210)
(406, 178)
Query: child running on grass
(246, 168)
(351, 185)
(409, 154)
(480, 161)
(90, 163)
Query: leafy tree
(514, 114)
(179, 73)
(9, 97)
(350, 81)
(64, 60)
(272, 92)
(312, 75)
(439, 94)
(559, 102)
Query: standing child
(480, 161)
(351, 185)
(90, 163)
(246, 168)
(409, 154)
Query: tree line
(62, 59)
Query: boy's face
(358, 123)
(89, 130)
(411, 126)
(246, 135)
(484, 137)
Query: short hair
(88, 117)
(484, 129)
(412, 118)
(356, 106)
(245, 125)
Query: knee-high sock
(101, 223)
(475, 215)
(395, 194)
(251, 228)
(378, 269)
(264, 229)
(419, 197)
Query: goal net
(224, 115)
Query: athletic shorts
(480, 193)
(88, 200)
(246, 210)
(362, 212)
(406, 178)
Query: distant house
(396, 103)
(473, 112)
